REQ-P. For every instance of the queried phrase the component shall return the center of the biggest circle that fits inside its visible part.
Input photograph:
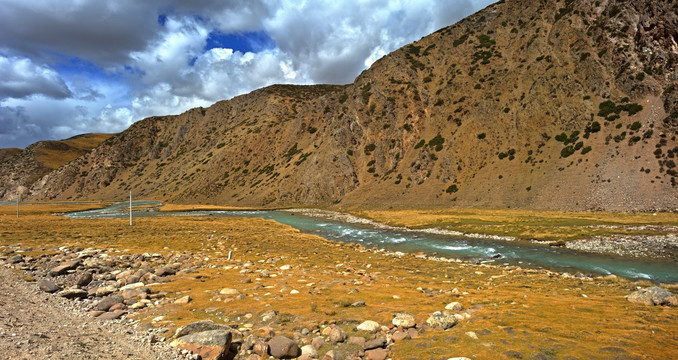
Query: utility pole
(130, 208)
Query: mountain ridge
(562, 105)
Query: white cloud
(22, 78)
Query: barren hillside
(531, 104)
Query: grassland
(526, 311)
(526, 224)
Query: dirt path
(37, 325)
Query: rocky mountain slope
(534, 104)
(19, 169)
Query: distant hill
(19, 169)
(566, 105)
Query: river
(499, 252)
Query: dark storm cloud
(22, 78)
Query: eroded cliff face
(535, 104)
(20, 168)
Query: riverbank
(312, 283)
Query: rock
(105, 290)
(73, 294)
(212, 344)
(133, 286)
(454, 306)
(413, 333)
(281, 347)
(309, 351)
(111, 315)
(84, 279)
(400, 336)
(357, 340)
(472, 335)
(200, 326)
(106, 303)
(376, 354)
(375, 343)
(261, 348)
(134, 293)
(227, 291)
(48, 286)
(183, 300)
(403, 319)
(329, 355)
(165, 271)
(441, 320)
(459, 358)
(369, 326)
(118, 306)
(64, 267)
(337, 335)
(653, 296)
(318, 342)
(359, 303)
(15, 259)
(95, 313)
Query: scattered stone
(200, 326)
(337, 335)
(441, 320)
(15, 259)
(132, 286)
(64, 268)
(653, 296)
(106, 303)
(454, 306)
(400, 336)
(73, 294)
(318, 342)
(369, 326)
(281, 347)
(227, 291)
(472, 335)
(404, 320)
(212, 344)
(111, 315)
(105, 290)
(95, 313)
(359, 303)
(84, 279)
(357, 340)
(413, 333)
(513, 354)
(376, 354)
(183, 300)
(375, 343)
(48, 286)
(309, 351)
(165, 271)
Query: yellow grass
(179, 207)
(525, 224)
(521, 310)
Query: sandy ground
(37, 325)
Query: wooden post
(130, 208)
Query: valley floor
(311, 283)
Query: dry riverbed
(278, 281)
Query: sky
(69, 67)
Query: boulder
(369, 326)
(309, 351)
(337, 335)
(111, 315)
(281, 347)
(106, 303)
(318, 342)
(209, 345)
(105, 290)
(454, 306)
(400, 336)
(441, 320)
(64, 267)
(165, 271)
(375, 343)
(199, 326)
(84, 279)
(73, 293)
(376, 354)
(15, 259)
(183, 300)
(228, 291)
(653, 296)
(403, 319)
(48, 286)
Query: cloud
(22, 78)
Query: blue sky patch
(244, 42)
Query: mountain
(567, 105)
(21, 168)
